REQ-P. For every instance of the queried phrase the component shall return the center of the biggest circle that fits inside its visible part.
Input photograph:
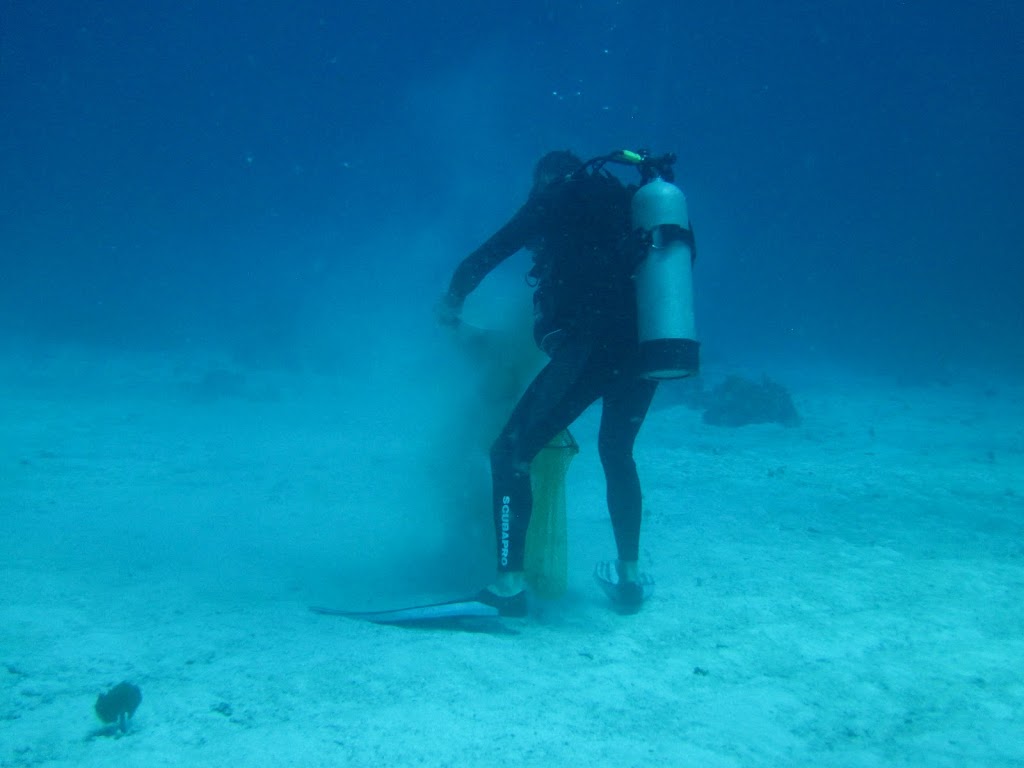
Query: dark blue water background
(231, 174)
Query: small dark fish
(118, 704)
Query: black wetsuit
(585, 319)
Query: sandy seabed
(847, 592)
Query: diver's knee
(615, 456)
(503, 449)
(507, 452)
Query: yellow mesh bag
(546, 563)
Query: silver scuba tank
(664, 283)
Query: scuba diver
(579, 222)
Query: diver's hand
(449, 310)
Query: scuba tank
(663, 275)
(664, 282)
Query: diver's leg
(624, 408)
(555, 399)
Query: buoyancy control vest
(616, 260)
(582, 262)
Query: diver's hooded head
(552, 167)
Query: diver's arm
(498, 247)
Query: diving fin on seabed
(625, 596)
(423, 615)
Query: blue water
(177, 174)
